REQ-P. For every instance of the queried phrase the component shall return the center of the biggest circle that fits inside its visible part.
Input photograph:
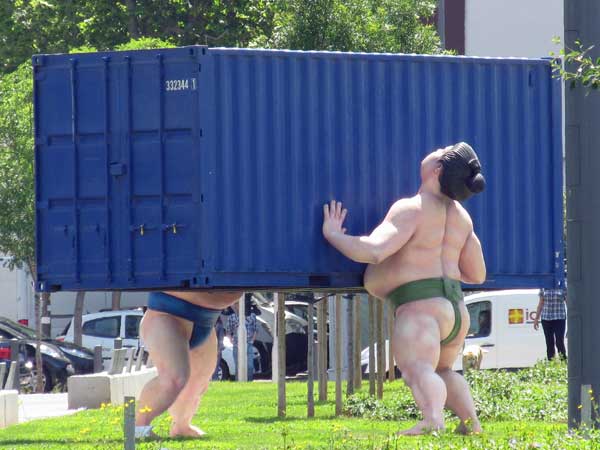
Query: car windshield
(18, 328)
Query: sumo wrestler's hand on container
(333, 219)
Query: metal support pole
(582, 140)
(129, 423)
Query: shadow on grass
(289, 419)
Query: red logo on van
(515, 316)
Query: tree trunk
(38, 354)
(116, 300)
(281, 349)
(77, 316)
(45, 319)
(132, 26)
(338, 354)
(310, 364)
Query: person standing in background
(552, 312)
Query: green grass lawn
(244, 415)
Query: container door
(158, 170)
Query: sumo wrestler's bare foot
(145, 432)
(423, 427)
(187, 431)
(468, 427)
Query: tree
(398, 26)
(579, 66)
(16, 179)
(28, 27)
(16, 168)
(36, 26)
(17, 197)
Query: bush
(537, 393)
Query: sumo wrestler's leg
(459, 398)
(166, 339)
(417, 350)
(202, 362)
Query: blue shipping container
(197, 167)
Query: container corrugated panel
(209, 167)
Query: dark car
(56, 368)
(59, 359)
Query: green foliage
(397, 26)
(28, 27)
(537, 393)
(579, 66)
(36, 26)
(16, 167)
(144, 43)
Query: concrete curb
(9, 408)
(91, 391)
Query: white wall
(512, 27)
(11, 303)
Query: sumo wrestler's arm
(390, 236)
(471, 263)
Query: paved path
(39, 406)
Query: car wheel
(46, 381)
(224, 375)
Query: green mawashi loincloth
(431, 288)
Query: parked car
(228, 365)
(501, 324)
(296, 341)
(6, 358)
(293, 322)
(295, 336)
(102, 328)
(57, 365)
(80, 357)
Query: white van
(103, 327)
(502, 324)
